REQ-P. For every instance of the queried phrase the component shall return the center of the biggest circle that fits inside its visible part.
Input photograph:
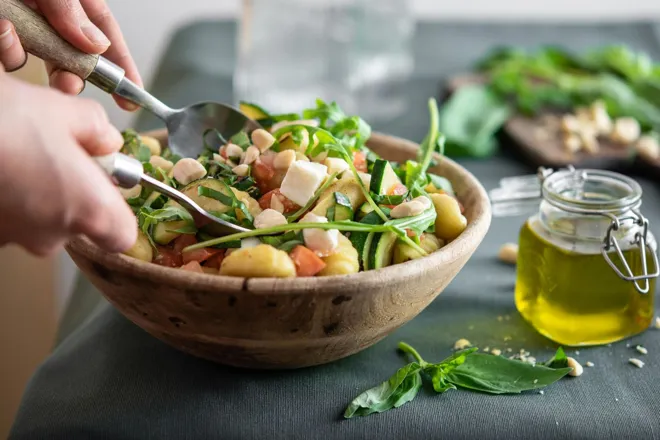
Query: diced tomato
(193, 266)
(168, 257)
(263, 174)
(397, 190)
(360, 161)
(289, 206)
(268, 157)
(307, 262)
(410, 233)
(389, 206)
(216, 260)
(200, 221)
(199, 255)
(223, 152)
(183, 241)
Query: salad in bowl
(315, 199)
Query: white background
(148, 24)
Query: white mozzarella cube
(319, 240)
(250, 242)
(335, 165)
(302, 180)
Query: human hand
(51, 189)
(86, 24)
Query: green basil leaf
(216, 195)
(438, 372)
(559, 360)
(144, 154)
(471, 118)
(399, 389)
(499, 375)
(241, 139)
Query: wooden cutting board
(541, 145)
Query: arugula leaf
(499, 375)
(325, 113)
(148, 218)
(399, 389)
(418, 223)
(441, 183)
(416, 171)
(384, 199)
(470, 119)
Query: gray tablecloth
(109, 379)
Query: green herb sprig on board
(464, 369)
(550, 78)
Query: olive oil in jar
(587, 262)
(571, 295)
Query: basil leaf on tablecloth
(498, 375)
(439, 373)
(397, 390)
(559, 360)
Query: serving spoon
(186, 127)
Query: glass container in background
(355, 52)
(587, 262)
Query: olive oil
(571, 295)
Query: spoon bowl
(186, 127)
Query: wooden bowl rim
(176, 278)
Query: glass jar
(587, 262)
(357, 53)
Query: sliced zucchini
(362, 240)
(381, 250)
(350, 188)
(383, 177)
(163, 232)
(365, 209)
(341, 209)
(253, 111)
(366, 251)
(207, 203)
(141, 249)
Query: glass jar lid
(586, 192)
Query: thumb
(90, 126)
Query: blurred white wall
(148, 24)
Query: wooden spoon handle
(42, 41)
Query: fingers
(12, 55)
(90, 126)
(64, 81)
(70, 21)
(99, 13)
(103, 214)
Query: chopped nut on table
(626, 130)
(636, 362)
(508, 253)
(657, 322)
(648, 147)
(496, 351)
(576, 367)
(462, 344)
(589, 364)
(641, 349)
(572, 143)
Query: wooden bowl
(271, 323)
